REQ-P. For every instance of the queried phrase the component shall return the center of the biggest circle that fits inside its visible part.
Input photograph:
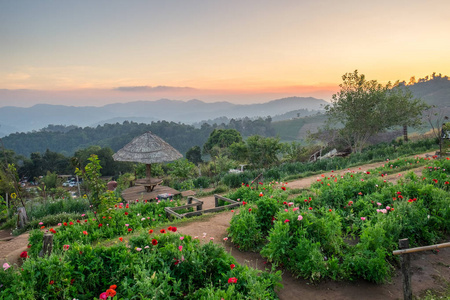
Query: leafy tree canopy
(221, 138)
(366, 107)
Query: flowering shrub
(347, 226)
(144, 269)
(115, 222)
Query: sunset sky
(96, 52)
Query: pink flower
(138, 249)
(286, 210)
(225, 239)
(181, 237)
(286, 221)
(363, 218)
(378, 203)
(388, 207)
(300, 217)
(295, 208)
(66, 247)
(103, 296)
(180, 248)
(6, 266)
(127, 225)
(40, 223)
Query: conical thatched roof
(147, 148)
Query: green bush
(245, 231)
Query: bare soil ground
(429, 270)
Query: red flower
(162, 231)
(249, 209)
(113, 287)
(150, 231)
(110, 293)
(398, 193)
(65, 224)
(103, 217)
(243, 202)
(85, 232)
(51, 282)
(330, 210)
(232, 280)
(410, 200)
(100, 225)
(435, 180)
(24, 254)
(154, 242)
(176, 261)
(126, 213)
(283, 188)
(232, 266)
(170, 228)
(446, 182)
(284, 202)
(174, 229)
(121, 239)
(78, 221)
(52, 230)
(310, 208)
(129, 229)
(72, 281)
(71, 223)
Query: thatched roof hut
(147, 148)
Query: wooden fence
(406, 262)
(171, 211)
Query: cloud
(18, 76)
(150, 89)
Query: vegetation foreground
(345, 227)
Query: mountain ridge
(24, 119)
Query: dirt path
(430, 271)
(12, 246)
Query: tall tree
(366, 107)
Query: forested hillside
(115, 136)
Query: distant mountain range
(19, 119)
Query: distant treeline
(182, 137)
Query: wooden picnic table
(148, 183)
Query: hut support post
(148, 170)
(405, 260)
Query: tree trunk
(405, 133)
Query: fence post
(405, 260)
(47, 246)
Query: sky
(98, 52)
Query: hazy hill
(19, 119)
